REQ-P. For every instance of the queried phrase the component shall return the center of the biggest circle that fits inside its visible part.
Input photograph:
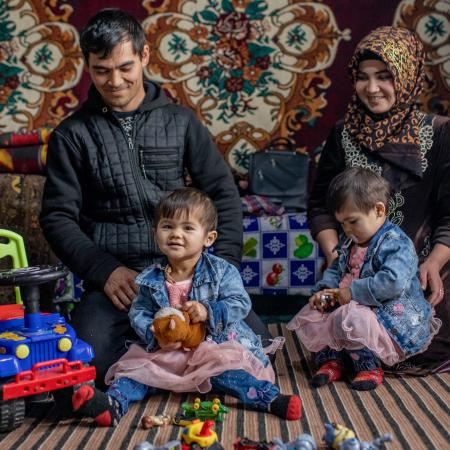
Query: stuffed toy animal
(172, 325)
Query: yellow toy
(172, 325)
(200, 433)
(336, 434)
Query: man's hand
(430, 278)
(121, 288)
(197, 312)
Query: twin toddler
(379, 313)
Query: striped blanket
(414, 410)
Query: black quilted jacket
(100, 195)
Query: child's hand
(343, 295)
(197, 312)
(316, 301)
(171, 346)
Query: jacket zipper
(134, 157)
(156, 165)
(141, 158)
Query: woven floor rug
(414, 410)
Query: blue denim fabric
(218, 286)
(236, 383)
(363, 360)
(125, 391)
(389, 282)
(327, 354)
(245, 387)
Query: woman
(383, 130)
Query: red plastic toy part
(60, 374)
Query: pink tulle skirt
(352, 327)
(187, 371)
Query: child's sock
(368, 380)
(287, 407)
(94, 403)
(327, 373)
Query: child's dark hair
(183, 202)
(359, 186)
(109, 27)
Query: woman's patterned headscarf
(402, 53)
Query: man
(108, 166)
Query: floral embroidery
(426, 134)
(396, 201)
(399, 308)
(231, 335)
(354, 157)
(252, 393)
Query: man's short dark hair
(359, 186)
(184, 201)
(106, 29)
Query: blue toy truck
(39, 352)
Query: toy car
(201, 433)
(247, 444)
(206, 410)
(39, 352)
(301, 442)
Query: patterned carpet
(415, 410)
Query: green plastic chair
(15, 248)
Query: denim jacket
(218, 286)
(389, 282)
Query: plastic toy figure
(335, 434)
(301, 442)
(329, 302)
(39, 352)
(172, 445)
(156, 421)
(356, 444)
(339, 437)
(201, 433)
(205, 410)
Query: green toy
(14, 247)
(213, 410)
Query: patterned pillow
(26, 160)
(24, 152)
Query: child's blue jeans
(237, 383)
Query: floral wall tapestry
(252, 70)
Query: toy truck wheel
(12, 414)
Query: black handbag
(281, 174)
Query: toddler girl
(230, 361)
(382, 313)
